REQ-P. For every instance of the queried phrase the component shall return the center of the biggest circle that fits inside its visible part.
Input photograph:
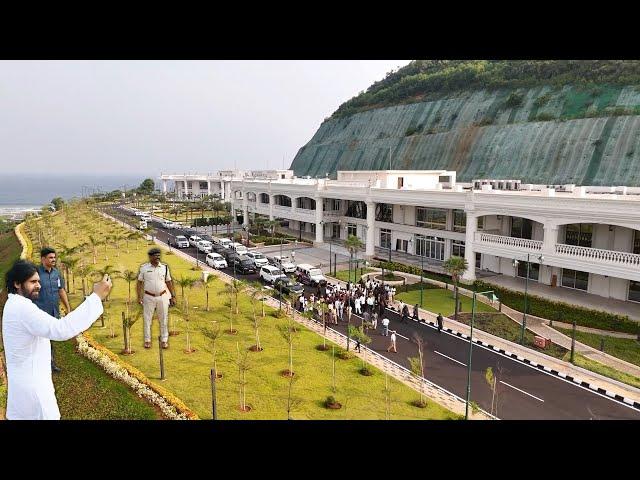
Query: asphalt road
(523, 392)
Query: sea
(21, 193)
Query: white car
(258, 259)
(285, 263)
(216, 260)
(225, 242)
(204, 246)
(167, 224)
(193, 240)
(181, 242)
(270, 274)
(239, 248)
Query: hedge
(401, 267)
(561, 312)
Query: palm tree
(185, 282)
(212, 334)
(84, 271)
(94, 242)
(455, 266)
(271, 225)
(134, 236)
(106, 270)
(256, 296)
(208, 282)
(353, 244)
(130, 276)
(69, 265)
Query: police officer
(51, 290)
(155, 291)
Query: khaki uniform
(154, 279)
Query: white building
(588, 237)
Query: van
(309, 275)
(225, 242)
(238, 248)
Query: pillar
(245, 209)
(164, 186)
(550, 239)
(370, 249)
(319, 225)
(208, 187)
(270, 206)
(469, 252)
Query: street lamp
(526, 289)
(473, 314)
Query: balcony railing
(598, 255)
(505, 241)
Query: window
(575, 279)
(478, 260)
(521, 227)
(352, 229)
(282, 200)
(480, 223)
(204, 186)
(189, 185)
(356, 209)
(282, 176)
(384, 212)
(444, 178)
(335, 230)
(457, 248)
(459, 221)
(430, 247)
(264, 198)
(400, 182)
(534, 270)
(435, 218)
(313, 228)
(402, 245)
(636, 242)
(634, 291)
(579, 234)
(385, 238)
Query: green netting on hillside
(584, 135)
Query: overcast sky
(148, 117)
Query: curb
(539, 366)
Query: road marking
(452, 359)
(406, 338)
(526, 393)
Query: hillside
(542, 122)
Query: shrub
(514, 100)
(541, 100)
(561, 312)
(544, 117)
(401, 267)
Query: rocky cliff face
(587, 135)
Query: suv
(238, 248)
(258, 259)
(166, 224)
(193, 240)
(284, 263)
(310, 275)
(215, 260)
(180, 241)
(270, 274)
(204, 246)
(288, 286)
(241, 264)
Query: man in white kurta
(26, 332)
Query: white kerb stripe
(522, 391)
(452, 359)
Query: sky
(152, 117)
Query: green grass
(9, 252)
(627, 349)
(344, 274)
(604, 370)
(86, 392)
(439, 300)
(500, 325)
(187, 374)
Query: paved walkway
(568, 295)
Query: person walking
(155, 292)
(51, 291)
(27, 332)
(392, 342)
(405, 313)
(385, 327)
(416, 312)
(440, 321)
(374, 320)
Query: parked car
(270, 274)
(241, 263)
(143, 224)
(258, 259)
(288, 286)
(238, 248)
(166, 224)
(179, 241)
(310, 275)
(193, 240)
(217, 248)
(225, 242)
(204, 246)
(216, 260)
(284, 263)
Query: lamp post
(473, 314)
(526, 289)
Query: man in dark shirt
(51, 290)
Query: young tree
(417, 368)
(287, 331)
(209, 281)
(130, 276)
(95, 243)
(256, 296)
(455, 266)
(106, 270)
(358, 334)
(84, 271)
(211, 335)
(70, 265)
(185, 282)
(128, 321)
(244, 365)
(353, 244)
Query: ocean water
(23, 192)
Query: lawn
(187, 374)
(344, 274)
(604, 370)
(9, 252)
(627, 349)
(439, 300)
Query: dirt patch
(322, 348)
(245, 409)
(255, 348)
(287, 373)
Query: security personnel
(155, 291)
(51, 291)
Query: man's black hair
(20, 272)
(46, 251)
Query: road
(523, 392)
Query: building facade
(587, 238)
